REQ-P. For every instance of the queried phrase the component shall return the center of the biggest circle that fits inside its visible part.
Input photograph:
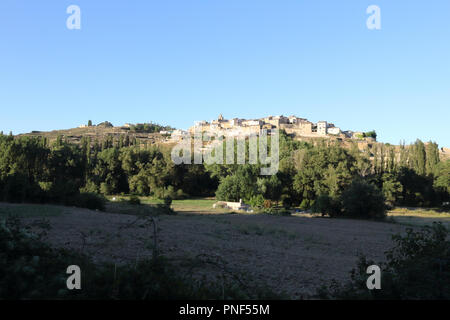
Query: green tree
(327, 205)
(363, 200)
(419, 157)
(371, 134)
(240, 185)
(442, 177)
(432, 158)
(392, 189)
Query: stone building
(292, 125)
(322, 128)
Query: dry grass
(419, 216)
(292, 254)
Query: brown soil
(291, 254)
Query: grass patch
(418, 217)
(197, 205)
(29, 210)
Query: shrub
(371, 134)
(31, 269)
(229, 189)
(180, 195)
(90, 200)
(90, 187)
(134, 200)
(363, 200)
(168, 201)
(277, 211)
(418, 267)
(306, 204)
(105, 188)
(162, 193)
(16, 188)
(327, 205)
(257, 201)
(446, 206)
(287, 202)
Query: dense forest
(34, 170)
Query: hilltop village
(293, 125)
(146, 134)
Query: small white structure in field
(239, 206)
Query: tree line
(34, 170)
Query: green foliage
(168, 201)
(91, 201)
(149, 128)
(105, 188)
(240, 185)
(31, 170)
(363, 200)
(287, 202)
(270, 188)
(327, 205)
(323, 170)
(105, 124)
(431, 158)
(419, 158)
(418, 267)
(90, 187)
(371, 134)
(417, 189)
(229, 189)
(442, 180)
(256, 201)
(29, 268)
(392, 189)
(277, 211)
(134, 200)
(169, 192)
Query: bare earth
(293, 254)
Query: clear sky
(177, 61)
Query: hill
(154, 134)
(105, 131)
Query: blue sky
(178, 61)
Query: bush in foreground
(31, 269)
(418, 267)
